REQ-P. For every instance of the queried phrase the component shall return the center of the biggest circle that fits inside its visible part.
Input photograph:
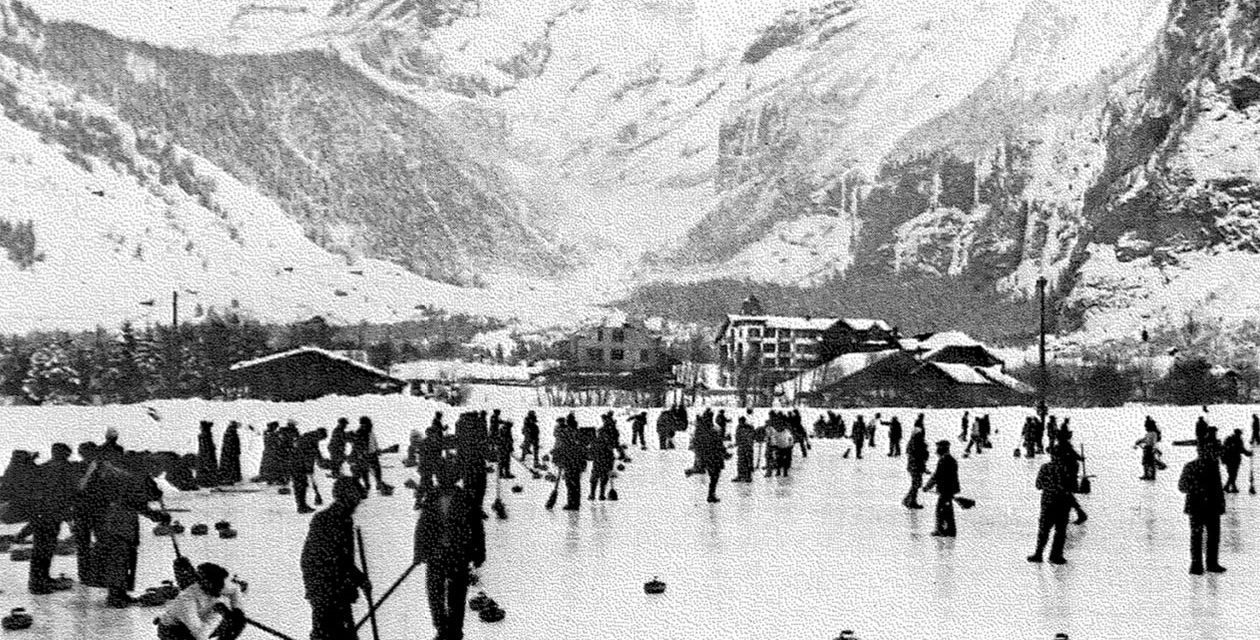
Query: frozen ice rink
(829, 548)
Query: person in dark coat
(304, 460)
(449, 536)
(1205, 502)
(664, 429)
(1149, 451)
(504, 443)
(570, 456)
(56, 484)
(330, 576)
(360, 456)
(431, 450)
(894, 438)
(530, 436)
(88, 508)
(1231, 455)
(916, 465)
(859, 435)
(337, 446)
(286, 437)
(127, 490)
(230, 459)
(110, 450)
(207, 459)
(797, 427)
(1255, 430)
(1073, 459)
(945, 481)
(745, 438)
(603, 453)
(638, 430)
(870, 430)
(472, 449)
(964, 426)
(1057, 482)
(712, 456)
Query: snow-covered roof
(961, 373)
(308, 349)
(865, 324)
(995, 374)
(831, 371)
(784, 322)
(459, 370)
(934, 341)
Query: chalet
(952, 347)
(620, 347)
(306, 373)
(777, 348)
(906, 379)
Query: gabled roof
(245, 364)
(866, 324)
(995, 374)
(961, 373)
(784, 322)
(939, 340)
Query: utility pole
(175, 309)
(1041, 296)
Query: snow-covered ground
(828, 549)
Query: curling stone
(221, 525)
(1060, 636)
(479, 601)
(227, 534)
(516, 488)
(177, 528)
(621, 467)
(847, 634)
(17, 619)
(200, 529)
(654, 586)
(20, 555)
(1016, 452)
(151, 598)
(551, 477)
(284, 491)
(491, 613)
(162, 530)
(546, 457)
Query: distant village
(762, 359)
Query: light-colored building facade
(620, 347)
(775, 346)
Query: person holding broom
(329, 574)
(945, 480)
(449, 536)
(208, 608)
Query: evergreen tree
(150, 365)
(50, 377)
(122, 378)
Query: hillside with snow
(589, 147)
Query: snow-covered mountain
(1109, 145)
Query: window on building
(595, 355)
(617, 355)
(754, 332)
(785, 362)
(767, 347)
(645, 356)
(618, 335)
(599, 335)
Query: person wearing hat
(1057, 482)
(530, 435)
(916, 464)
(745, 436)
(210, 607)
(945, 481)
(304, 460)
(330, 576)
(638, 429)
(504, 443)
(1205, 502)
(230, 455)
(1072, 458)
(110, 449)
(337, 446)
(1231, 455)
(207, 459)
(54, 485)
(449, 536)
(1149, 453)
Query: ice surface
(828, 549)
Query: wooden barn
(307, 373)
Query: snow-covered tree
(50, 377)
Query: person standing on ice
(1255, 430)
(230, 458)
(337, 446)
(570, 456)
(471, 452)
(894, 437)
(504, 444)
(55, 484)
(602, 454)
(945, 481)
(305, 459)
(1057, 482)
(780, 439)
(966, 426)
(128, 489)
(207, 608)
(530, 436)
(638, 430)
(267, 467)
(916, 465)
(1231, 455)
(1205, 502)
(1072, 459)
(745, 437)
(207, 460)
(712, 454)
(977, 437)
(330, 576)
(1147, 443)
(859, 435)
(449, 536)
(870, 430)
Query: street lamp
(1042, 409)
